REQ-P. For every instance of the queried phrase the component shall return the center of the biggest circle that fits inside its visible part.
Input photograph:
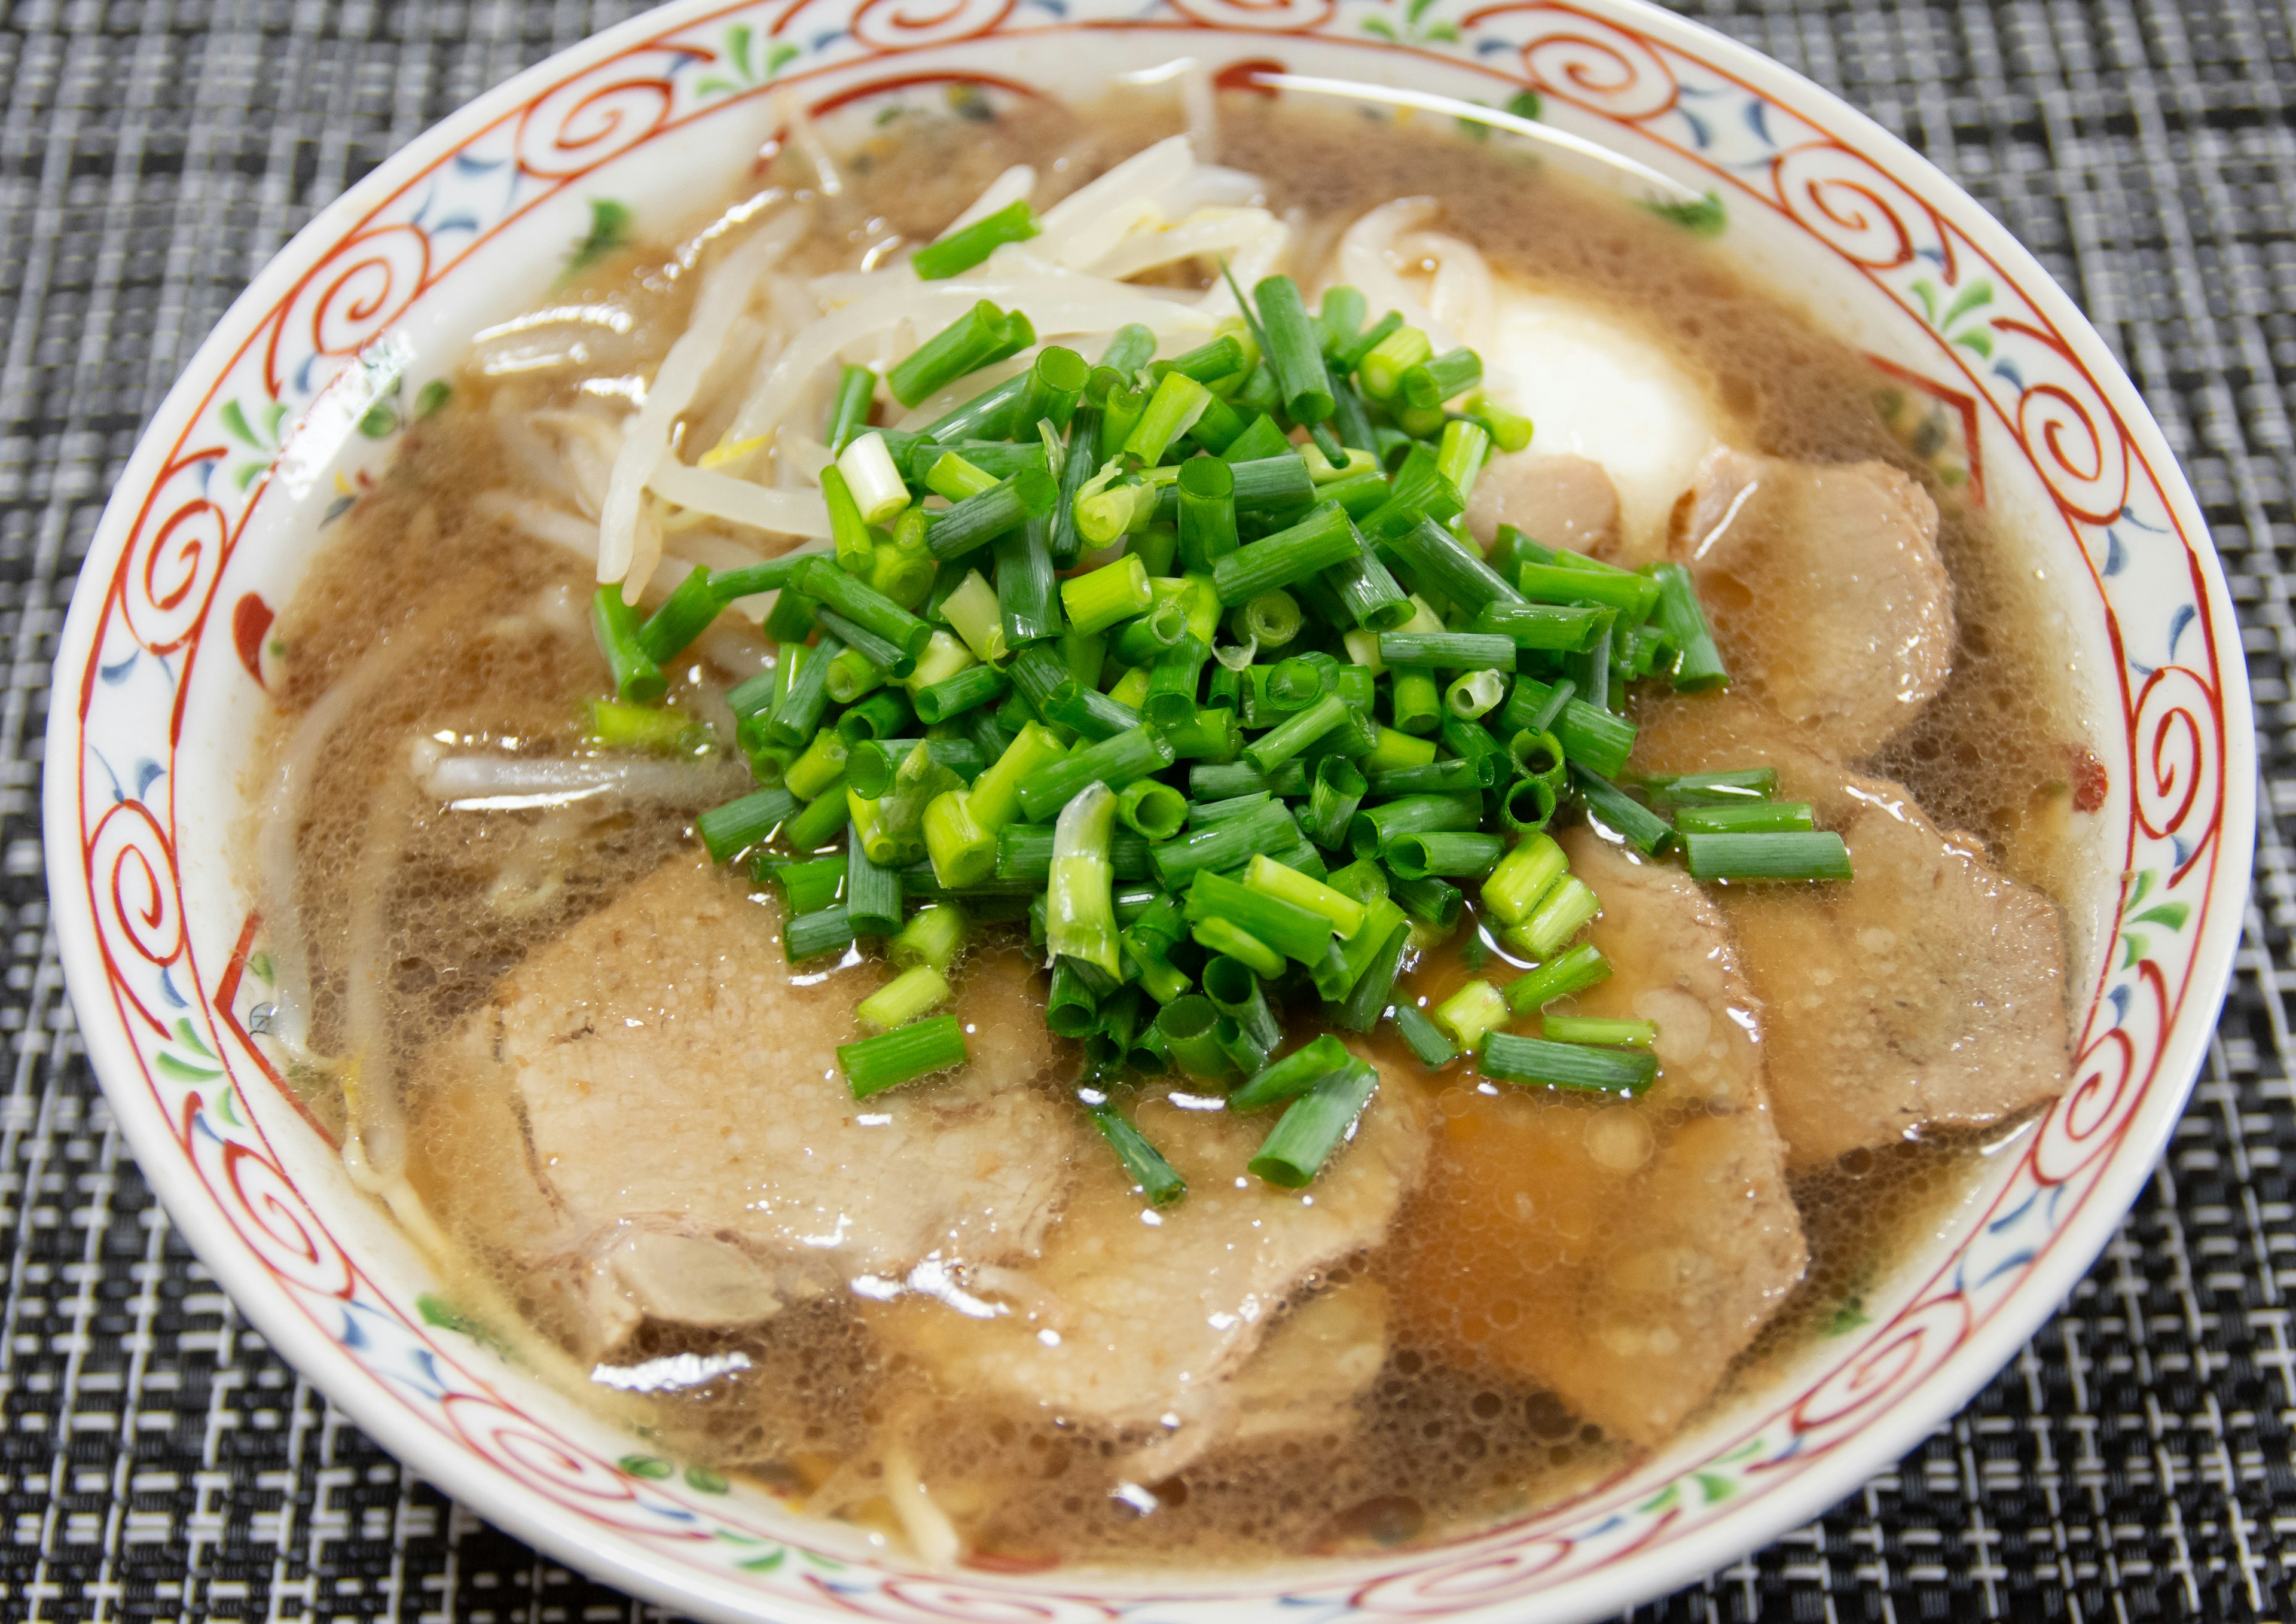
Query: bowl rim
(630, 1563)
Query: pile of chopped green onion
(1230, 713)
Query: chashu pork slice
(1558, 500)
(1139, 1323)
(687, 1129)
(1619, 1252)
(1928, 992)
(1827, 591)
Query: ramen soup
(1292, 835)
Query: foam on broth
(456, 898)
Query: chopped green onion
(1515, 888)
(1114, 762)
(1099, 598)
(1317, 542)
(1225, 936)
(638, 679)
(1171, 412)
(1313, 1126)
(1582, 967)
(981, 336)
(1293, 1075)
(1154, 809)
(1565, 1065)
(1188, 1024)
(1271, 620)
(1080, 915)
(1295, 351)
(1439, 378)
(813, 886)
(1562, 913)
(1425, 1039)
(902, 1055)
(1071, 1008)
(904, 998)
(732, 828)
(1812, 855)
(1289, 885)
(1152, 1174)
(1290, 929)
(976, 685)
(1475, 1009)
(963, 853)
(848, 410)
(1442, 561)
(809, 935)
(1337, 792)
(979, 520)
(1170, 701)
(818, 822)
(1644, 828)
(1731, 789)
(1764, 818)
(683, 616)
(1382, 367)
(1416, 855)
(931, 937)
(1592, 1029)
(961, 249)
(1429, 900)
(1376, 827)
(1272, 748)
(1375, 987)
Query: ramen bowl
(293, 405)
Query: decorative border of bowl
(315, 354)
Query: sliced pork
(1139, 1323)
(1827, 591)
(1928, 992)
(1619, 1252)
(1558, 501)
(686, 1126)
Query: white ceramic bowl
(295, 399)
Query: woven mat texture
(158, 1461)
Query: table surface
(158, 1461)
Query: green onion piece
(1475, 1009)
(902, 1055)
(1527, 806)
(818, 822)
(1363, 880)
(683, 616)
(1415, 700)
(1170, 701)
(1546, 628)
(638, 679)
(1350, 355)
(1207, 513)
(1430, 901)
(1436, 778)
(1220, 783)
(1317, 542)
(1229, 845)
(1272, 748)
(1077, 472)
(1261, 439)
(1026, 591)
(1341, 316)
(1293, 1075)
(950, 475)
(1367, 591)
(809, 935)
(1024, 851)
(848, 532)
(1442, 561)
(1203, 815)
(1225, 936)
(813, 886)
(873, 764)
(977, 685)
(1592, 1029)
(1632, 595)
(1415, 857)
(1337, 792)
(1382, 366)
(1275, 483)
(1129, 349)
(1559, 915)
(1110, 1038)
(1271, 620)
(819, 767)
(791, 619)
(1699, 665)
(1096, 716)
(904, 998)
(1645, 829)
(859, 603)
(1079, 913)
(1376, 827)
(1295, 932)
(1396, 749)
(1513, 890)
(1114, 762)
(1451, 651)
(849, 409)
(1295, 350)
(1473, 694)
(1593, 738)
(1154, 809)
(961, 249)
(1151, 1174)
(1731, 789)
(1147, 636)
(1813, 855)
(1439, 378)
(1171, 412)
(963, 853)
(1509, 430)
(1071, 1009)
(617, 725)
(1313, 1126)
(1566, 1065)
(1236, 993)
(1582, 967)
(1425, 1039)
(1213, 736)
(1188, 1024)
(862, 664)
(1462, 451)
(931, 937)
(1538, 755)
(1099, 598)
(982, 335)
(1289, 885)
(1375, 989)
(739, 824)
(979, 520)
(1763, 817)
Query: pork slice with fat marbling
(685, 1118)
(1827, 591)
(1137, 1322)
(1621, 1252)
(1927, 992)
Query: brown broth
(1436, 1444)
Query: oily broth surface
(1435, 1448)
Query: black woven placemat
(159, 1461)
